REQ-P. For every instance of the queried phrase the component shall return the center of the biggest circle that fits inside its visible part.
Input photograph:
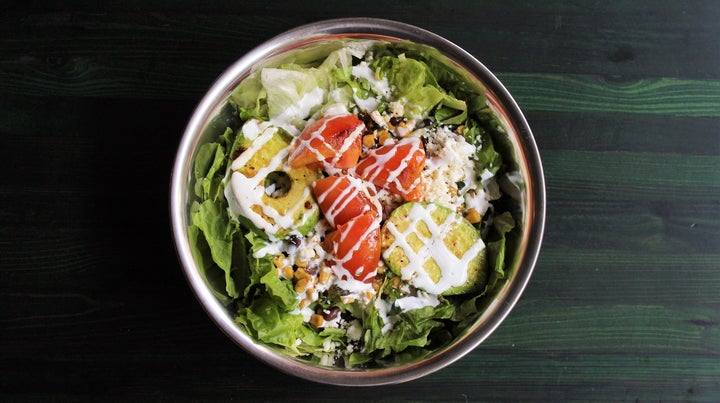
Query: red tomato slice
(335, 139)
(342, 198)
(356, 247)
(396, 167)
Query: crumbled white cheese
(449, 160)
(329, 346)
(396, 108)
(327, 360)
(354, 330)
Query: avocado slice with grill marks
(286, 203)
(433, 248)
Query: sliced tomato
(335, 139)
(355, 247)
(342, 198)
(396, 167)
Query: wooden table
(624, 102)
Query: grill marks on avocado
(434, 248)
(274, 197)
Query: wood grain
(623, 99)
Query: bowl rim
(529, 158)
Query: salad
(355, 210)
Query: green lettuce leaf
(485, 155)
(214, 276)
(209, 170)
(415, 82)
(502, 224)
(273, 325)
(211, 218)
(249, 98)
(293, 93)
(414, 329)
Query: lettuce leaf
(209, 167)
(293, 93)
(485, 155)
(218, 232)
(502, 224)
(415, 82)
(209, 270)
(415, 328)
(249, 98)
(271, 324)
(268, 311)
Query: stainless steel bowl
(520, 263)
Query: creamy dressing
(383, 308)
(419, 301)
(453, 270)
(379, 85)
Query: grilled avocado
(286, 190)
(434, 248)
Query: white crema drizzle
(453, 270)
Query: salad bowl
(357, 202)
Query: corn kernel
(324, 276)
(317, 320)
(310, 291)
(473, 216)
(368, 140)
(301, 263)
(301, 285)
(301, 273)
(288, 272)
(383, 136)
(279, 261)
(304, 302)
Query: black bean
(330, 314)
(425, 122)
(294, 239)
(396, 120)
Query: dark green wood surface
(624, 101)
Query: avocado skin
(462, 236)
